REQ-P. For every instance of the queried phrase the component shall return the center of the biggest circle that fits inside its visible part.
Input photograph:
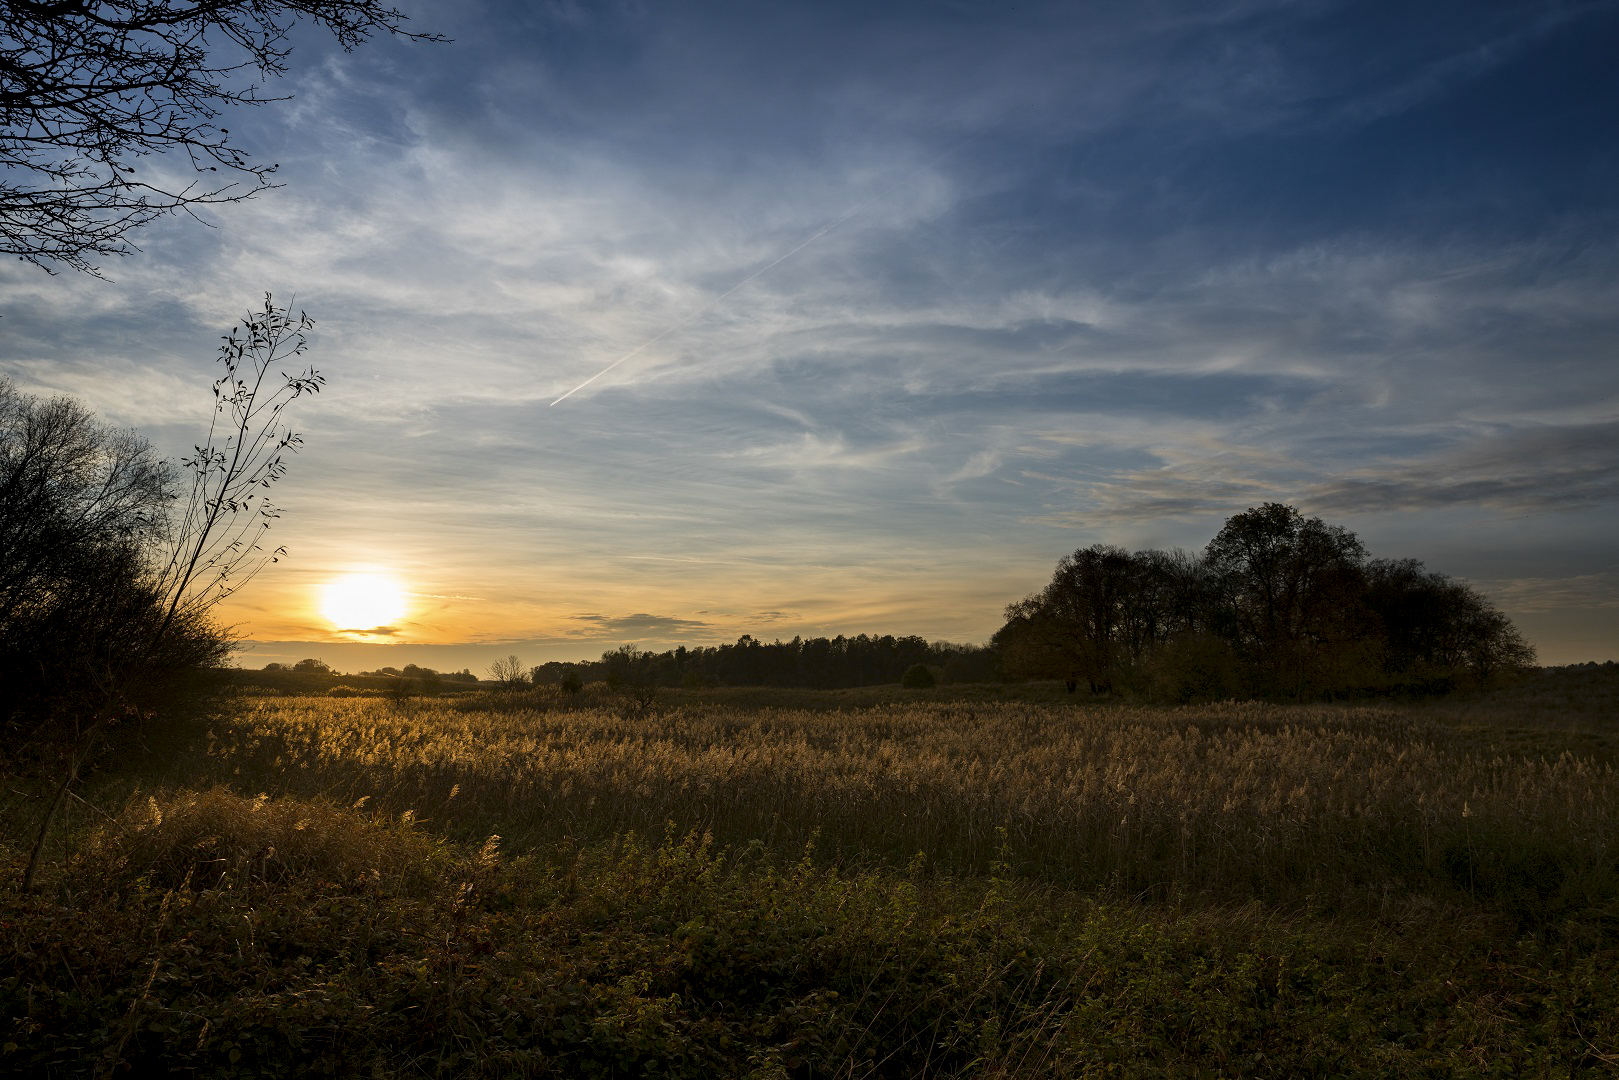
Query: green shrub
(918, 677)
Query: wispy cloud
(641, 623)
(1117, 271)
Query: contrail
(822, 231)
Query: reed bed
(1235, 802)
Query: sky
(906, 301)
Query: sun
(362, 602)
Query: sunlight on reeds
(1239, 801)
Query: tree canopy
(110, 566)
(1277, 604)
(84, 625)
(818, 663)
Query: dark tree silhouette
(105, 596)
(1433, 624)
(509, 672)
(1277, 605)
(89, 88)
(819, 663)
(1289, 592)
(1104, 609)
(215, 542)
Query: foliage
(89, 87)
(819, 663)
(109, 606)
(1277, 605)
(85, 628)
(1102, 614)
(242, 936)
(918, 677)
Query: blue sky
(1099, 273)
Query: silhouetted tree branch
(215, 543)
(89, 87)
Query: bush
(1197, 667)
(918, 677)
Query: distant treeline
(816, 663)
(427, 675)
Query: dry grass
(1368, 875)
(1288, 804)
(215, 838)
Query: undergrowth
(923, 888)
(368, 949)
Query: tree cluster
(1277, 605)
(817, 663)
(425, 674)
(85, 624)
(111, 561)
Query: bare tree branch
(89, 87)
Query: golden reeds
(1240, 801)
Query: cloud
(640, 624)
(1533, 595)
(1524, 471)
(1127, 268)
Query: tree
(509, 673)
(1288, 594)
(312, 666)
(70, 489)
(106, 597)
(214, 544)
(1433, 625)
(89, 87)
(1278, 604)
(1095, 621)
(84, 628)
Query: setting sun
(362, 602)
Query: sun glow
(362, 603)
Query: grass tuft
(214, 839)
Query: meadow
(958, 882)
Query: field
(958, 882)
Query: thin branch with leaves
(216, 546)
